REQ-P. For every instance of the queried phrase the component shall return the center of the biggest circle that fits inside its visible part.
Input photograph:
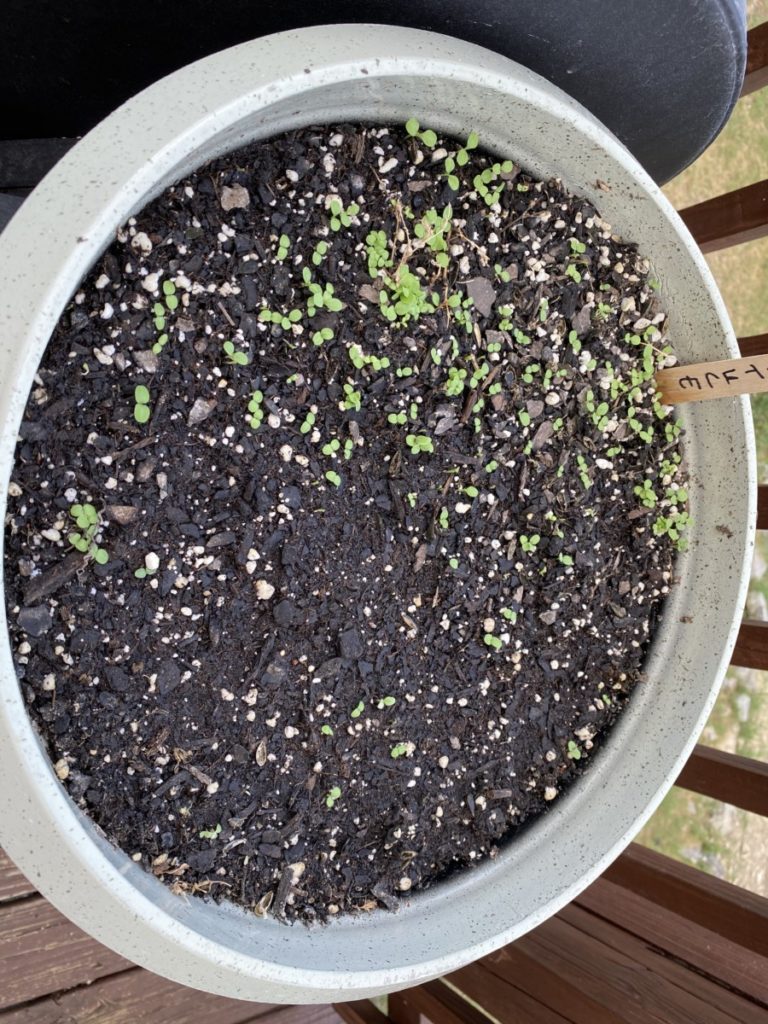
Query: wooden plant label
(724, 378)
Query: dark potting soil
(379, 579)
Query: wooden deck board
(651, 941)
(136, 996)
(504, 998)
(724, 909)
(41, 952)
(615, 975)
(711, 954)
(13, 885)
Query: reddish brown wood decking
(650, 941)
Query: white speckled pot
(383, 74)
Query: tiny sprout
(492, 466)
(453, 562)
(150, 567)
(577, 246)
(419, 443)
(89, 521)
(333, 478)
(341, 217)
(450, 166)
(319, 252)
(256, 410)
(401, 750)
(493, 641)
(309, 422)
(326, 730)
(529, 544)
(427, 136)
(283, 245)
(324, 334)
(334, 794)
(377, 250)
(160, 344)
(411, 498)
(331, 447)
(386, 702)
(233, 357)
(509, 615)
(581, 462)
(158, 314)
(210, 833)
(573, 273)
(564, 559)
(353, 400)
(525, 417)
(603, 311)
(171, 299)
(286, 321)
(574, 751)
(443, 518)
(357, 710)
(141, 410)
(646, 494)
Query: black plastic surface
(662, 75)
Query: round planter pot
(380, 74)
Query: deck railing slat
(751, 650)
(737, 780)
(503, 998)
(754, 345)
(756, 76)
(401, 1008)
(736, 914)
(763, 507)
(359, 1011)
(541, 976)
(729, 219)
(435, 1001)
